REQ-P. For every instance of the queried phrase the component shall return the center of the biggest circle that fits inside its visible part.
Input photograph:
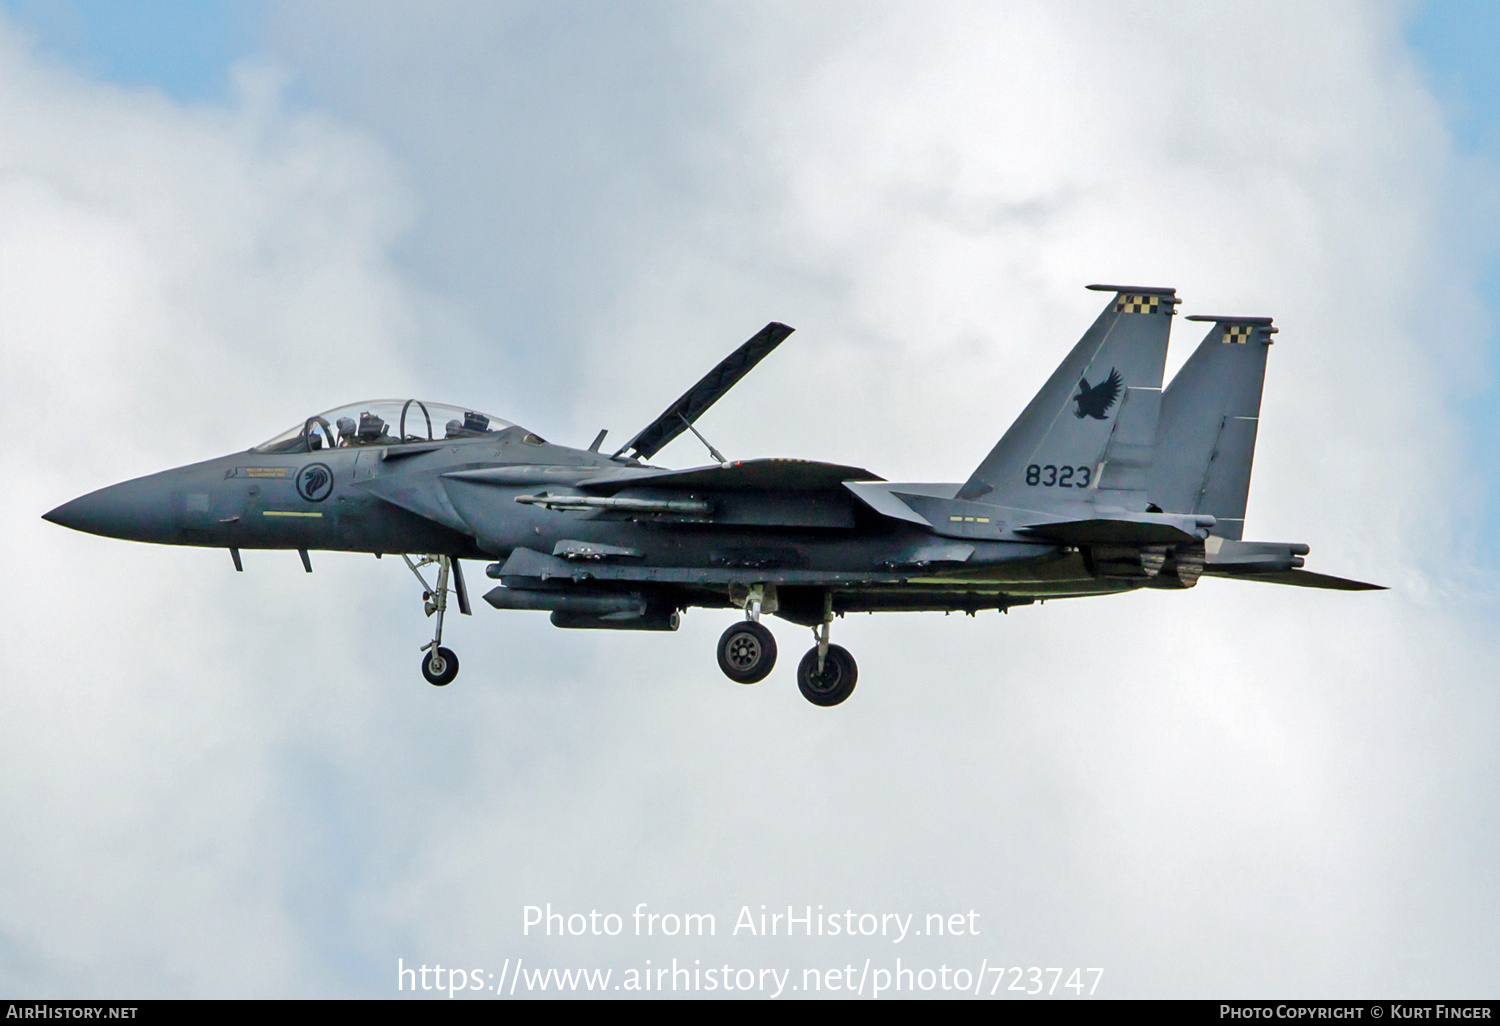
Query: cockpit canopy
(384, 422)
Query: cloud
(177, 282)
(239, 785)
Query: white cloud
(176, 283)
(238, 785)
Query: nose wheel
(439, 664)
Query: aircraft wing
(768, 475)
(691, 405)
(765, 475)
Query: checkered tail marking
(1135, 302)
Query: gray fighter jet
(1105, 483)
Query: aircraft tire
(835, 683)
(446, 669)
(747, 652)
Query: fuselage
(392, 496)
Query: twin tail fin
(1086, 439)
(1205, 436)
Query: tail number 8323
(1059, 477)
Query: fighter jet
(1104, 484)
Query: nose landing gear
(439, 664)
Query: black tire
(835, 683)
(747, 652)
(440, 667)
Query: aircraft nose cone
(134, 510)
(95, 513)
(62, 515)
(85, 513)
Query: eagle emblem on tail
(1095, 401)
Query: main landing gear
(439, 664)
(747, 652)
(826, 675)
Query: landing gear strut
(439, 664)
(826, 675)
(747, 650)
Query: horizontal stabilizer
(1303, 579)
(692, 404)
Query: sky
(217, 219)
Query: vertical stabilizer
(1205, 437)
(1089, 433)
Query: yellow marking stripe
(265, 471)
(287, 513)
